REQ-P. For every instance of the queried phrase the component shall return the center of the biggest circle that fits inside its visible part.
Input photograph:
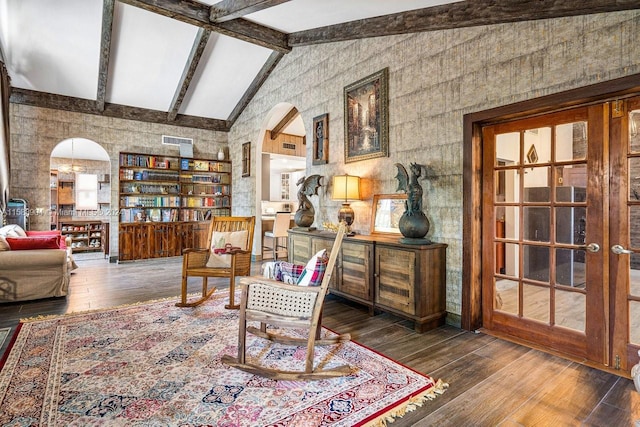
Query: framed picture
(366, 118)
(321, 139)
(246, 159)
(386, 211)
(532, 154)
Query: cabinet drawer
(354, 265)
(395, 279)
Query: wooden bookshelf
(163, 200)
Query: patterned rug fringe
(41, 317)
(410, 405)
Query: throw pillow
(314, 270)
(4, 246)
(12, 230)
(237, 239)
(61, 243)
(29, 243)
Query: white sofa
(34, 273)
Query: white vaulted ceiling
(53, 49)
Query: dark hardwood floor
(492, 381)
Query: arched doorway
(280, 162)
(80, 187)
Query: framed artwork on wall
(246, 159)
(321, 139)
(366, 117)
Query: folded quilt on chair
(296, 274)
(282, 271)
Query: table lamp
(346, 187)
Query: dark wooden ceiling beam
(199, 44)
(197, 14)
(232, 9)
(255, 85)
(286, 121)
(105, 50)
(457, 15)
(88, 106)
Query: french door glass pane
(634, 178)
(506, 297)
(634, 131)
(634, 322)
(571, 225)
(507, 186)
(536, 263)
(511, 260)
(570, 309)
(536, 184)
(571, 268)
(537, 145)
(536, 223)
(571, 141)
(535, 302)
(508, 148)
(634, 226)
(634, 275)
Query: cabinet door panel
(395, 279)
(354, 264)
(300, 249)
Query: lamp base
(347, 215)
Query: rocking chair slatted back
(287, 306)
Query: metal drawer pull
(619, 250)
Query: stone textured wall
(434, 79)
(36, 131)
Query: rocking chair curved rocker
(229, 261)
(289, 306)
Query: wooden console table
(383, 274)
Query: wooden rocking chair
(290, 306)
(228, 254)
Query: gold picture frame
(366, 118)
(386, 211)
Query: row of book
(144, 161)
(147, 201)
(134, 175)
(169, 215)
(204, 165)
(216, 179)
(201, 202)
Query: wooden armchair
(289, 306)
(228, 254)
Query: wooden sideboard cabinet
(383, 274)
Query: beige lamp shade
(346, 187)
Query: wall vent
(288, 146)
(176, 140)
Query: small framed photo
(246, 159)
(386, 211)
(321, 139)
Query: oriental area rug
(154, 364)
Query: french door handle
(591, 247)
(619, 250)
